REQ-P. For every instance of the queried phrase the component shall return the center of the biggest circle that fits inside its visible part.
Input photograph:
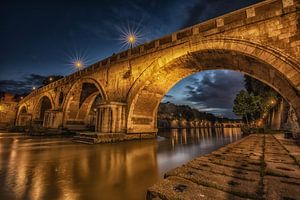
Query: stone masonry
(260, 166)
(262, 40)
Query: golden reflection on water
(32, 168)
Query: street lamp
(273, 102)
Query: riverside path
(259, 166)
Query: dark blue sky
(40, 38)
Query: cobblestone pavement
(259, 166)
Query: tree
(267, 94)
(247, 105)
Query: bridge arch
(23, 116)
(265, 63)
(44, 103)
(77, 106)
(23, 109)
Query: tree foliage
(256, 101)
(247, 105)
(171, 111)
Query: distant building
(8, 109)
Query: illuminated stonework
(262, 40)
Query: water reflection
(32, 168)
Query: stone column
(278, 115)
(24, 120)
(110, 117)
(293, 124)
(52, 119)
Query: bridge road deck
(259, 166)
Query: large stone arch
(80, 110)
(268, 64)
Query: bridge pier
(53, 119)
(24, 119)
(110, 117)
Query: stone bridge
(121, 94)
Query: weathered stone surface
(96, 138)
(279, 158)
(179, 188)
(228, 171)
(277, 188)
(283, 169)
(275, 179)
(245, 188)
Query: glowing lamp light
(130, 36)
(33, 88)
(78, 64)
(50, 79)
(131, 39)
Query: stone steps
(95, 138)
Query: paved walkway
(259, 166)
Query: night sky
(42, 38)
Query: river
(57, 168)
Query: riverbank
(259, 166)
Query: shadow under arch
(267, 64)
(82, 105)
(44, 103)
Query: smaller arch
(79, 101)
(44, 103)
(81, 81)
(23, 110)
(23, 116)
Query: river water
(57, 168)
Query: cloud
(189, 87)
(215, 92)
(22, 86)
(169, 96)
